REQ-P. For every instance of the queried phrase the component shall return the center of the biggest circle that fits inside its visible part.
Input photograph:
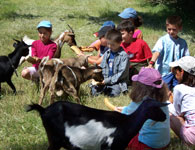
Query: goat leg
(9, 82)
(53, 148)
(43, 91)
(73, 92)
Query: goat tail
(36, 107)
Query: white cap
(187, 63)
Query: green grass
(24, 131)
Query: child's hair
(126, 25)
(48, 29)
(114, 35)
(174, 20)
(140, 90)
(188, 79)
(137, 21)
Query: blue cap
(128, 13)
(106, 23)
(45, 24)
(103, 31)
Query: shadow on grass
(40, 146)
(155, 21)
(108, 15)
(14, 15)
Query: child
(97, 44)
(183, 115)
(137, 49)
(40, 48)
(115, 66)
(103, 46)
(169, 48)
(153, 135)
(131, 15)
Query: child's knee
(25, 73)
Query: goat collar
(10, 61)
(75, 77)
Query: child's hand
(170, 95)
(33, 60)
(119, 109)
(150, 66)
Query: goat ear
(154, 102)
(97, 70)
(71, 34)
(44, 60)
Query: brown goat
(48, 67)
(68, 80)
(65, 37)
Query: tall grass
(24, 131)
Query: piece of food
(76, 50)
(108, 104)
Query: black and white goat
(8, 64)
(77, 127)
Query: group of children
(126, 59)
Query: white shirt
(184, 102)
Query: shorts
(188, 135)
(135, 144)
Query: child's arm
(96, 45)
(52, 51)
(155, 56)
(95, 61)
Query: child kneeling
(115, 66)
(183, 110)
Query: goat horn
(70, 28)
(16, 40)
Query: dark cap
(103, 31)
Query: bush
(180, 4)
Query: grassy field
(24, 131)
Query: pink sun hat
(149, 76)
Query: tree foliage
(179, 4)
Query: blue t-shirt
(170, 50)
(153, 134)
(111, 62)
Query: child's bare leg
(176, 124)
(26, 74)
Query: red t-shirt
(138, 50)
(40, 50)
